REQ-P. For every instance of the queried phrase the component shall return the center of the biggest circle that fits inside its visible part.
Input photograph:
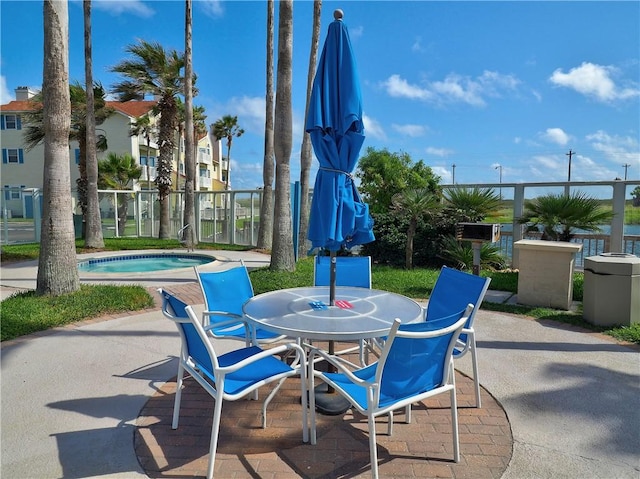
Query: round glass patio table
(358, 313)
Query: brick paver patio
(421, 449)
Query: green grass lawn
(27, 313)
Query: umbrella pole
(328, 402)
(332, 278)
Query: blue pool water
(142, 263)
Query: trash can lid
(622, 264)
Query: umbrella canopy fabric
(338, 217)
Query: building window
(12, 192)
(77, 155)
(11, 122)
(12, 155)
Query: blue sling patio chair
(225, 291)
(416, 362)
(453, 290)
(231, 376)
(350, 271)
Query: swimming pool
(143, 263)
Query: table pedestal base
(330, 403)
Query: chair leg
(268, 400)
(454, 425)
(178, 398)
(215, 429)
(454, 413)
(312, 402)
(373, 447)
(474, 361)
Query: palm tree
(93, 222)
(414, 204)
(282, 258)
(560, 215)
(117, 172)
(189, 218)
(265, 230)
(306, 156)
(227, 128)
(35, 131)
(142, 126)
(460, 253)
(154, 71)
(57, 268)
(471, 204)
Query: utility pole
(453, 174)
(626, 167)
(570, 154)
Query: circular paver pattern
(421, 449)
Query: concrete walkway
(71, 397)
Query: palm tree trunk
(93, 222)
(282, 257)
(189, 155)
(306, 152)
(411, 233)
(265, 231)
(57, 267)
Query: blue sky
(491, 87)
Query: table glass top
(358, 313)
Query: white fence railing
(232, 217)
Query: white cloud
(546, 168)
(372, 128)
(594, 81)
(619, 149)
(356, 32)
(413, 131)
(398, 87)
(6, 95)
(212, 8)
(454, 88)
(118, 7)
(441, 152)
(556, 135)
(249, 110)
(443, 172)
(417, 45)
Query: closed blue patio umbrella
(338, 217)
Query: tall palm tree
(414, 204)
(57, 268)
(117, 172)
(189, 218)
(143, 126)
(282, 257)
(306, 156)
(153, 70)
(93, 222)
(265, 230)
(227, 128)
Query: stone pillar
(546, 273)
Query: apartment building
(22, 170)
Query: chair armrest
(339, 363)
(234, 319)
(265, 353)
